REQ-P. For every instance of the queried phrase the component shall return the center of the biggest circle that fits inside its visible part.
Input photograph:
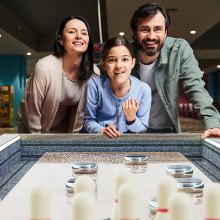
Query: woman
(54, 94)
(117, 102)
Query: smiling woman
(54, 95)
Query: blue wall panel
(13, 72)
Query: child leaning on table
(117, 102)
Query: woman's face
(118, 64)
(75, 37)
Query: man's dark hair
(149, 10)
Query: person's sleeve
(34, 98)
(96, 70)
(193, 85)
(90, 121)
(100, 69)
(141, 123)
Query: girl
(54, 95)
(117, 102)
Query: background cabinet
(6, 106)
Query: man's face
(150, 34)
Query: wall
(13, 72)
(213, 85)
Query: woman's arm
(34, 99)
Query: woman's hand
(130, 108)
(111, 131)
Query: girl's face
(75, 37)
(118, 64)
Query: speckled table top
(98, 137)
(54, 169)
(110, 158)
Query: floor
(191, 125)
(187, 124)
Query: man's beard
(149, 51)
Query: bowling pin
(85, 183)
(212, 201)
(180, 206)
(121, 177)
(166, 186)
(0, 210)
(40, 203)
(84, 207)
(129, 203)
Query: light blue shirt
(103, 108)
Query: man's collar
(163, 58)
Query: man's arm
(191, 77)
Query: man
(164, 61)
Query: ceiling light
(28, 53)
(121, 34)
(218, 66)
(0, 35)
(193, 32)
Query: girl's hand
(111, 131)
(130, 108)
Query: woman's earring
(60, 41)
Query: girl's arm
(90, 121)
(137, 114)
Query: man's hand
(111, 132)
(212, 132)
(130, 108)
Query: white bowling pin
(212, 201)
(85, 183)
(129, 203)
(83, 207)
(40, 203)
(0, 210)
(166, 186)
(121, 177)
(180, 206)
(115, 211)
